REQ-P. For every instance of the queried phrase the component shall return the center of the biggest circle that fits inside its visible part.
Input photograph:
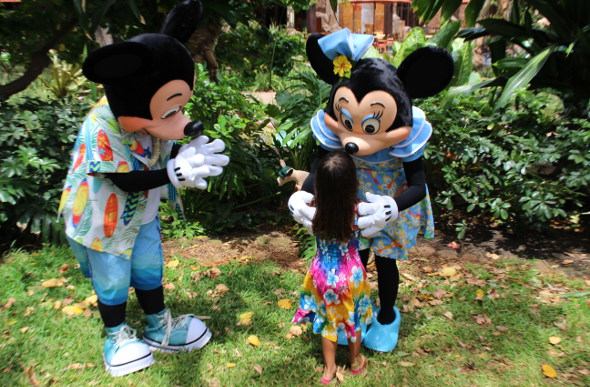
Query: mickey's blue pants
(112, 275)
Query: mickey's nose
(351, 148)
(193, 129)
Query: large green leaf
(522, 78)
(444, 37)
(556, 15)
(426, 9)
(449, 7)
(472, 12)
(415, 39)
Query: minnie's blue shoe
(383, 338)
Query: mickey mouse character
(124, 160)
(370, 116)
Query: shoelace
(172, 323)
(124, 335)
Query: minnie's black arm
(416, 190)
(308, 185)
(137, 181)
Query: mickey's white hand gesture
(195, 161)
(376, 213)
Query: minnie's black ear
(321, 64)
(426, 71)
(115, 62)
(181, 22)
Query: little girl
(335, 293)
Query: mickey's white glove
(300, 209)
(375, 214)
(195, 161)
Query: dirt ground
(562, 251)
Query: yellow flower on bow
(342, 66)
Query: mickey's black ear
(115, 62)
(426, 71)
(321, 64)
(181, 22)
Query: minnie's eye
(171, 112)
(346, 121)
(371, 125)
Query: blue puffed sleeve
(412, 147)
(327, 139)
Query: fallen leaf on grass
(549, 371)
(230, 365)
(258, 369)
(406, 364)
(253, 340)
(492, 256)
(285, 303)
(482, 319)
(448, 315)
(53, 283)
(501, 328)
(172, 264)
(65, 267)
(448, 272)
(169, 286)
(245, 318)
(454, 245)
(295, 330)
(555, 340)
(340, 374)
(479, 294)
(9, 303)
(73, 310)
(439, 294)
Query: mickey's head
(370, 109)
(149, 79)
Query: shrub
(246, 193)
(257, 51)
(35, 143)
(525, 166)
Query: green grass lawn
(488, 325)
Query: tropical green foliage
(524, 52)
(256, 51)
(524, 166)
(247, 190)
(35, 142)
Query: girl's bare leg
(355, 348)
(329, 349)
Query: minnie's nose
(193, 129)
(351, 148)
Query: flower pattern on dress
(335, 295)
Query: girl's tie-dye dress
(335, 295)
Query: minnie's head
(336, 189)
(371, 109)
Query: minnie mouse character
(124, 160)
(370, 116)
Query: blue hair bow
(343, 42)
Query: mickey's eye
(346, 120)
(171, 112)
(371, 125)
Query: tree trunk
(39, 61)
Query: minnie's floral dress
(335, 295)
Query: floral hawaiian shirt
(97, 213)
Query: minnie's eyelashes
(338, 107)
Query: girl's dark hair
(336, 189)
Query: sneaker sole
(130, 367)
(196, 344)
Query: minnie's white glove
(300, 209)
(375, 214)
(195, 161)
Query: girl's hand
(376, 214)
